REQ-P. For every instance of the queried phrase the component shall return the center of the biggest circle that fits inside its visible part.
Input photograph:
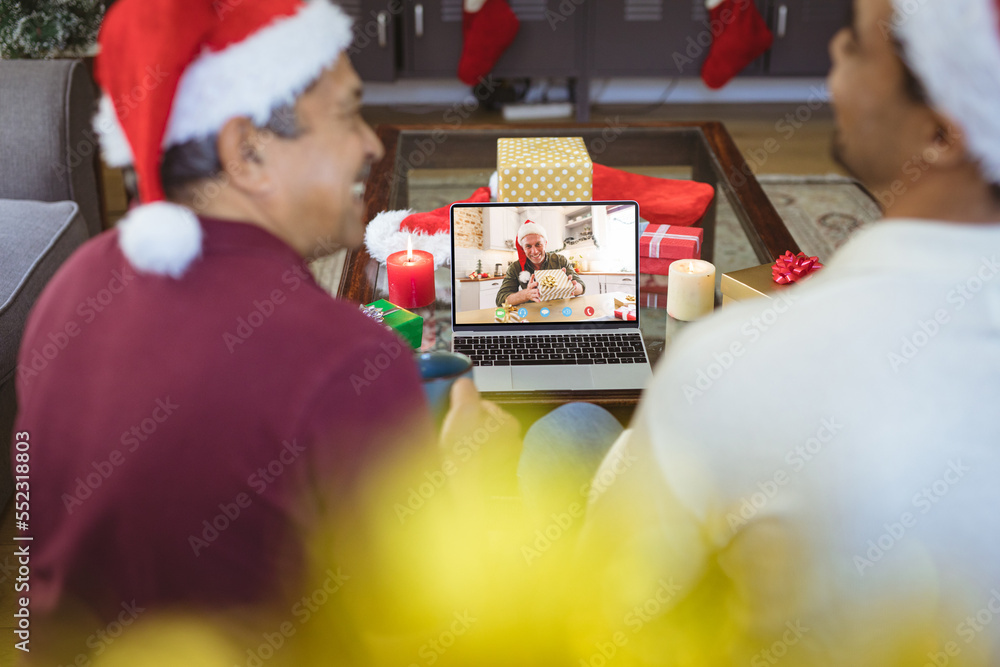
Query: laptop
(555, 338)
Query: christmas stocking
(741, 35)
(488, 28)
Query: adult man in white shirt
(830, 494)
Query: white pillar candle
(690, 289)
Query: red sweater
(183, 432)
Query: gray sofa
(49, 200)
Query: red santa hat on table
(663, 201)
(172, 72)
(953, 48)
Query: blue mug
(439, 370)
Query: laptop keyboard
(552, 349)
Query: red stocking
(486, 35)
(743, 37)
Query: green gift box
(400, 320)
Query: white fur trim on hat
(266, 70)
(494, 186)
(115, 148)
(531, 228)
(384, 237)
(473, 6)
(712, 4)
(953, 47)
(160, 238)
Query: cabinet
(374, 49)
(620, 283)
(591, 283)
(499, 228)
(488, 290)
(582, 39)
(477, 294)
(547, 42)
(602, 283)
(652, 38)
(802, 30)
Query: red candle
(411, 277)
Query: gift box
(661, 245)
(629, 300)
(751, 283)
(626, 313)
(553, 284)
(408, 325)
(543, 169)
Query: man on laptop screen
(520, 285)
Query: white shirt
(836, 452)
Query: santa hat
(172, 72)
(388, 231)
(662, 201)
(953, 48)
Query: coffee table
(421, 157)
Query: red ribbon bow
(791, 268)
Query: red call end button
(588, 311)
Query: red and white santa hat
(953, 48)
(529, 227)
(174, 71)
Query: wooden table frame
(706, 147)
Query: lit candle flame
(409, 247)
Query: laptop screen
(577, 265)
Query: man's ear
(240, 147)
(945, 145)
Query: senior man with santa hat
(519, 284)
(212, 401)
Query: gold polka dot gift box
(533, 169)
(553, 284)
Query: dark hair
(198, 159)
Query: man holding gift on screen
(519, 285)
